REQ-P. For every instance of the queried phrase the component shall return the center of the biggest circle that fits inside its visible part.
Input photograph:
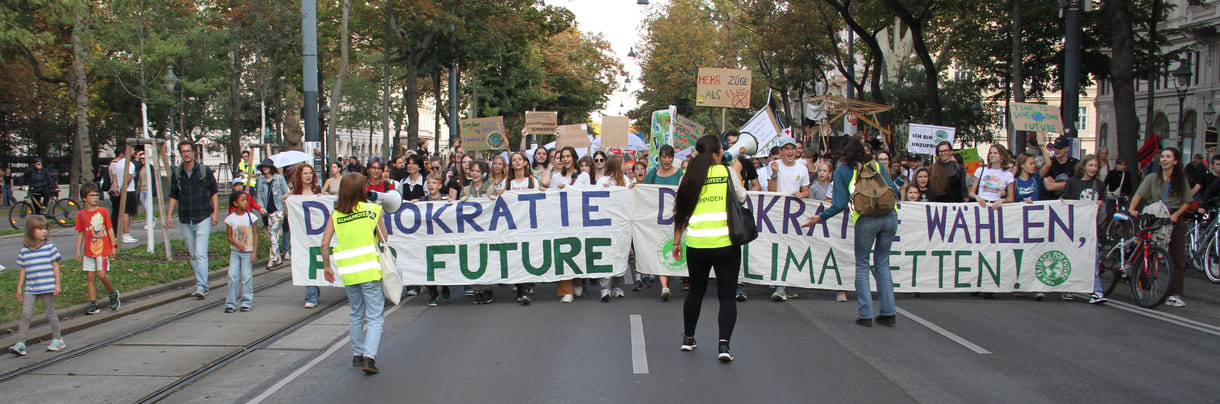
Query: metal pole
(309, 33)
(1071, 69)
(453, 104)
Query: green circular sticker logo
(667, 259)
(1053, 268)
(495, 140)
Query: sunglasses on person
(599, 160)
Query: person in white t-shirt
(787, 177)
(994, 184)
(123, 213)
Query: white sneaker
(127, 238)
(779, 295)
(579, 290)
(665, 294)
(605, 295)
(310, 305)
(618, 292)
(1097, 298)
(1175, 301)
(566, 299)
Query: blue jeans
(241, 279)
(312, 293)
(368, 305)
(875, 235)
(195, 236)
(9, 200)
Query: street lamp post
(1181, 83)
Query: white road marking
(1166, 317)
(954, 337)
(300, 371)
(639, 355)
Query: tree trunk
(385, 90)
(1153, 69)
(336, 95)
(1017, 84)
(436, 113)
(1122, 77)
(931, 74)
(291, 115)
(235, 72)
(411, 100)
(82, 159)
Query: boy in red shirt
(95, 235)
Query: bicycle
(1140, 261)
(1202, 248)
(62, 211)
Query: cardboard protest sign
(541, 122)
(576, 135)
(922, 139)
(970, 159)
(686, 131)
(729, 88)
(614, 131)
(1036, 117)
(483, 133)
(763, 126)
(662, 133)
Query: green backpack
(870, 194)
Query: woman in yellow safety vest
(354, 221)
(701, 214)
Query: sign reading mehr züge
(483, 133)
(541, 122)
(729, 88)
(1036, 117)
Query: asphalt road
(960, 349)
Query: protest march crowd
(704, 183)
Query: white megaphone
(746, 145)
(389, 201)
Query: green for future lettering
(557, 256)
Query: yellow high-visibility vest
(356, 250)
(709, 223)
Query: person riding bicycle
(40, 184)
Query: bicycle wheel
(1151, 277)
(16, 215)
(1117, 230)
(64, 212)
(1111, 269)
(1210, 260)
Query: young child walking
(38, 280)
(95, 236)
(243, 241)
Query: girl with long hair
(331, 187)
(568, 175)
(1169, 186)
(271, 188)
(521, 180)
(948, 181)
(305, 182)
(700, 214)
(923, 180)
(1027, 184)
(613, 177)
(1085, 185)
(874, 235)
(499, 173)
(994, 185)
(541, 166)
(360, 268)
(599, 165)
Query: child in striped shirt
(38, 280)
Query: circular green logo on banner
(495, 140)
(667, 259)
(1053, 268)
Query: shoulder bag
(391, 280)
(742, 228)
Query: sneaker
(127, 238)
(488, 296)
(245, 309)
(525, 300)
(370, 366)
(412, 291)
(639, 285)
(1067, 296)
(724, 355)
(1097, 298)
(469, 291)
(888, 321)
(618, 292)
(199, 293)
(230, 309)
(1039, 296)
(578, 290)
(688, 343)
(445, 293)
(357, 361)
(114, 300)
(566, 299)
(779, 295)
(842, 296)
(310, 305)
(1175, 301)
(56, 344)
(478, 298)
(665, 294)
(741, 293)
(93, 309)
(18, 349)
(605, 295)
(685, 285)
(432, 302)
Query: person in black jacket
(948, 182)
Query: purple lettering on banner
(959, 222)
(1028, 225)
(398, 223)
(793, 217)
(664, 195)
(533, 199)
(464, 218)
(763, 213)
(434, 217)
(563, 208)
(1000, 228)
(500, 212)
(588, 208)
(936, 220)
(309, 207)
(1069, 228)
(979, 225)
(821, 224)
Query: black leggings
(699, 262)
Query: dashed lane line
(946, 333)
(639, 355)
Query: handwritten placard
(614, 132)
(922, 139)
(729, 88)
(483, 133)
(1036, 117)
(686, 131)
(575, 135)
(541, 122)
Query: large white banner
(1044, 246)
(520, 237)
